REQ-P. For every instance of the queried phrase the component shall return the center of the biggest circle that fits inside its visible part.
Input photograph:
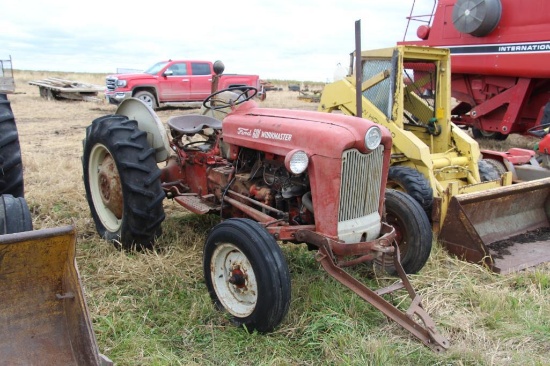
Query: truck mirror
(168, 72)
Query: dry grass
(152, 308)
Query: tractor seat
(193, 123)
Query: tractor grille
(361, 180)
(111, 84)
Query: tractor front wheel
(246, 274)
(122, 182)
(414, 233)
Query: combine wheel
(11, 165)
(246, 274)
(15, 216)
(411, 181)
(414, 233)
(147, 98)
(487, 171)
(122, 182)
(480, 134)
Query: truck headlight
(296, 161)
(121, 83)
(373, 137)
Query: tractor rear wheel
(122, 182)
(412, 182)
(414, 233)
(11, 165)
(246, 274)
(15, 216)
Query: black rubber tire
(134, 219)
(487, 171)
(414, 232)
(11, 165)
(498, 165)
(15, 216)
(411, 181)
(147, 98)
(479, 134)
(267, 300)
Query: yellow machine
(44, 317)
(407, 90)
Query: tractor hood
(280, 131)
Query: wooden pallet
(56, 88)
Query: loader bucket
(505, 228)
(43, 313)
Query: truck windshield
(156, 68)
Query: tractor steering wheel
(538, 130)
(242, 96)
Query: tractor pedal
(194, 204)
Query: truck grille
(361, 180)
(111, 83)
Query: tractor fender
(149, 122)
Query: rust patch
(500, 248)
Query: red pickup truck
(174, 82)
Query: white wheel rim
(108, 218)
(227, 262)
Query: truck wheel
(147, 98)
(411, 181)
(15, 216)
(480, 134)
(487, 171)
(414, 233)
(246, 274)
(11, 165)
(122, 182)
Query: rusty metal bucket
(505, 228)
(44, 318)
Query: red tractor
(525, 165)
(500, 51)
(272, 175)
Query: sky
(304, 40)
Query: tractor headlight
(373, 137)
(296, 161)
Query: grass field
(153, 308)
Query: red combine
(500, 57)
